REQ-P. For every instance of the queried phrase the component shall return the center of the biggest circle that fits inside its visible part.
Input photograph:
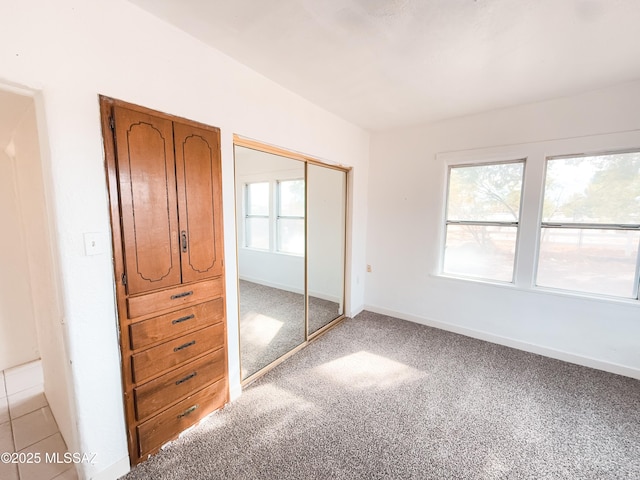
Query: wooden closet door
(199, 201)
(146, 171)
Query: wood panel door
(198, 178)
(146, 170)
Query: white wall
(272, 269)
(71, 51)
(18, 339)
(406, 196)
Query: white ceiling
(385, 64)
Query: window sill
(540, 290)
(480, 281)
(585, 296)
(272, 252)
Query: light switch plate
(94, 243)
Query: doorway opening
(36, 400)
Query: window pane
(480, 251)
(291, 198)
(257, 232)
(592, 261)
(596, 189)
(291, 235)
(485, 192)
(258, 198)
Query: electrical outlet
(369, 268)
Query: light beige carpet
(380, 398)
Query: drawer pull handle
(188, 377)
(181, 295)
(182, 347)
(188, 411)
(182, 319)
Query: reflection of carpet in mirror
(272, 323)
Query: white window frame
(279, 216)
(529, 232)
(583, 226)
(487, 161)
(248, 215)
(274, 210)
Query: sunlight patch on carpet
(259, 329)
(363, 370)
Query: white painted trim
(234, 392)
(324, 296)
(510, 342)
(279, 286)
(320, 295)
(113, 471)
(357, 311)
(484, 156)
(12, 87)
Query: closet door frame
(240, 141)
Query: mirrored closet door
(290, 216)
(326, 200)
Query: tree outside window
(590, 231)
(482, 220)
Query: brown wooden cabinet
(170, 202)
(166, 213)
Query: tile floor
(27, 427)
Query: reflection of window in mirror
(287, 223)
(256, 224)
(290, 216)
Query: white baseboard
(356, 311)
(279, 286)
(234, 392)
(513, 343)
(325, 296)
(289, 288)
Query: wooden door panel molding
(199, 199)
(197, 169)
(144, 147)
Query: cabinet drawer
(174, 297)
(175, 323)
(162, 391)
(165, 426)
(174, 352)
